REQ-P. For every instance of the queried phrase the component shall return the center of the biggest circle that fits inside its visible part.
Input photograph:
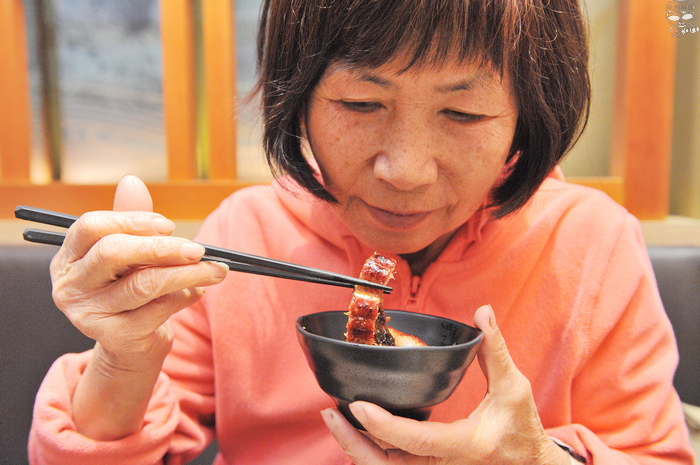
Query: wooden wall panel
(642, 132)
(219, 43)
(185, 200)
(179, 93)
(15, 102)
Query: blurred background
(96, 74)
(104, 89)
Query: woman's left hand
(505, 428)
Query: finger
(359, 448)
(151, 283)
(93, 226)
(119, 254)
(496, 363)
(139, 303)
(421, 438)
(132, 195)
(136, 327)
(137, 288)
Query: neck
(420, 260)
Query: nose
(407, 159)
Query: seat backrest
(677, 272)
(33, 333)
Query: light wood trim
(219, 43)
(642, 133)
(185, 200)
(614, 186)
(179, 92)
(15, 103)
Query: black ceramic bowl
(406, 381)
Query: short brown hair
(541, 43)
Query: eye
(674, 17)
(688, 16)
(361, 106)
(462, 117)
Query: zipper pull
(415, 287)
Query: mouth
(397, 221)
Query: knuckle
(143, 285)
(61, 289)
(160, 248)
(99, 222)
(57, 267)
(60, 298)
(108, 249)
(74, 311)
(138, 222)
(89, 222)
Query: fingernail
(328, 417)
(163, 225)
(220, 269)
(191, 250)
(358, 412)
(492, 318)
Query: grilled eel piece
(367, 323)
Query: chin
(397, 244)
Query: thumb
(132, 195)
(494, 359)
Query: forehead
(452, 75)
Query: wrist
(141, 361)
(112, 396)
(142, 356)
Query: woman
(430, 131)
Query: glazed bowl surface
(406, 381)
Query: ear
(302, 123)
(305, 144)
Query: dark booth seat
(33, 333)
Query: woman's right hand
(118, 277)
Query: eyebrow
(480, 79)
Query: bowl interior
(434, 330)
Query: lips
(396, 221)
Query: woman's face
(410, 156)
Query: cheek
(481, 156)
(342, 147)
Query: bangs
(370, 33)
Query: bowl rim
(479, 337)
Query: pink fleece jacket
(568, 277)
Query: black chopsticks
(236, 261)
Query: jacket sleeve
(53, 438)
(178, 424)
(624, 391)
